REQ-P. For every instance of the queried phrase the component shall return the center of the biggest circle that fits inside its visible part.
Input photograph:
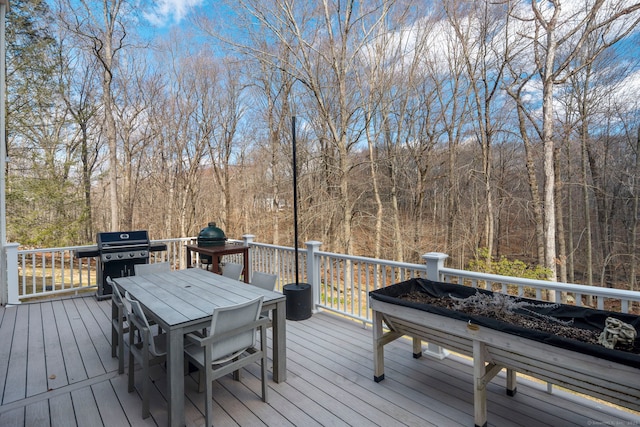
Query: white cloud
(167, 12)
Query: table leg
(279, 343)
(114, 333)
(175, 375)
(245, 269)
(189, 258)
(215, 264)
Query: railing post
(12, 273)
(313, 270)
(434, 262)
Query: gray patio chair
(157, 267)
(148, 349)
(232, 270)
(264, 280)
(229, 346)
(119, 324)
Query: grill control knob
(107, 256)
(131, 254)
(119, 255)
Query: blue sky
(166, 13)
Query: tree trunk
(562, 248)
(633, 264)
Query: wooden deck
(56, 369)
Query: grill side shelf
(92, 251)
(87, 252)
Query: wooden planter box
(610, 375)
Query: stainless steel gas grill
(116, 254)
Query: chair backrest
(158, 267)
(232, 270)
(117, 296)
(229, 318)
(139, 319)
(264, 280)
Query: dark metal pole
(295, 196)
(299, 296)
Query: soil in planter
(516, 319)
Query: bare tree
(482, 31)
(324, 41)
(100, 27)
(273, 87)
(557, 38)
(223, 143)
(185, 122)
(77, 84)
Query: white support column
(435, 262)
(313, 271)
(248, 239)
(4, 262)
(11, 252)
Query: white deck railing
(340, 283)
(50, 272)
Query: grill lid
(120, 239)
(211, 235)
(123, 245)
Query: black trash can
(299, 300)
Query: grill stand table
(215, 252)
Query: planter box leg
(417, 348)
(512, 379)
(378, 347)
(479, 389)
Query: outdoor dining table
(182, 301)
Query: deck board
(111, 412)
(36, 367)
(95, 328)
(16, 380)
(73, 368)
(85, 407)
(6, 337)
(61, 409)
(90, 357)
(63, 346)
(56, 376)
(37, 414)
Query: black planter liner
(583, 317)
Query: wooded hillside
(422, 126)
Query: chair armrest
(208, 340)
(194, 338)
